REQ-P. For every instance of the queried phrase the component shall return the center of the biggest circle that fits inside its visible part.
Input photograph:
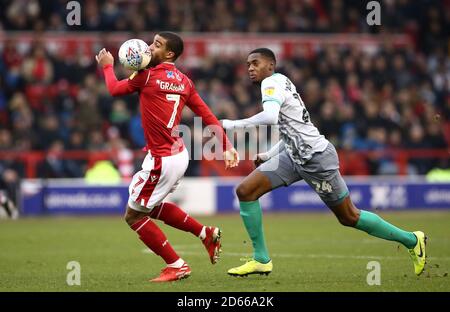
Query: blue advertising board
(372, 194)
(40, 197)
(85, 199)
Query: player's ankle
(202, 234)
(264, 260)
(177, 264)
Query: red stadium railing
(350, 161)
(400, 157)
(199, 45)
(31, 160)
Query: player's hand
(227, 124)
(231, 158)
(260, 158)
(104, 58)
(146, 58)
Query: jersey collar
(166, 65)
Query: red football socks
(154, 238)
(172, 215)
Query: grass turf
(311, 252)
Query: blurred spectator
(416, 140)
(49, 129)
(54, 166)
(96, 141)
(37, 68)
(136, 132)
(122, 155)
(120, 116)
(8, 209)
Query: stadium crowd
(427, 18)
(395, 98)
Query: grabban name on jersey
(163, 85)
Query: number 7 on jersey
(173, 98)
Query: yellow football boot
(252, 267)
(417, 253)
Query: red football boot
(173, 274)
(212, 243)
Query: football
(132, 54)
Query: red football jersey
(163, 93)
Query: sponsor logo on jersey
(170, 74)
(169, 86)
(269, 91)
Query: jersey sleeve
(199, 107)
(125, 86)
(272, 91)
(116, 87)
(139, 79)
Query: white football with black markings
(134, 54)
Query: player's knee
(130, 217)
(350, 218)
(245, 193)
(344, 220)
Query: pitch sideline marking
(283, 255)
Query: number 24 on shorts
(323, 187)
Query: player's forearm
(115, 87)
(211, 120)
(269, 116)
(262, 118)
(202, 110)
(222, 137)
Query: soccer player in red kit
(163, 92)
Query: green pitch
(311, 252)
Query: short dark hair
(266, 52)
(174, 43)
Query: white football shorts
(159, 177)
